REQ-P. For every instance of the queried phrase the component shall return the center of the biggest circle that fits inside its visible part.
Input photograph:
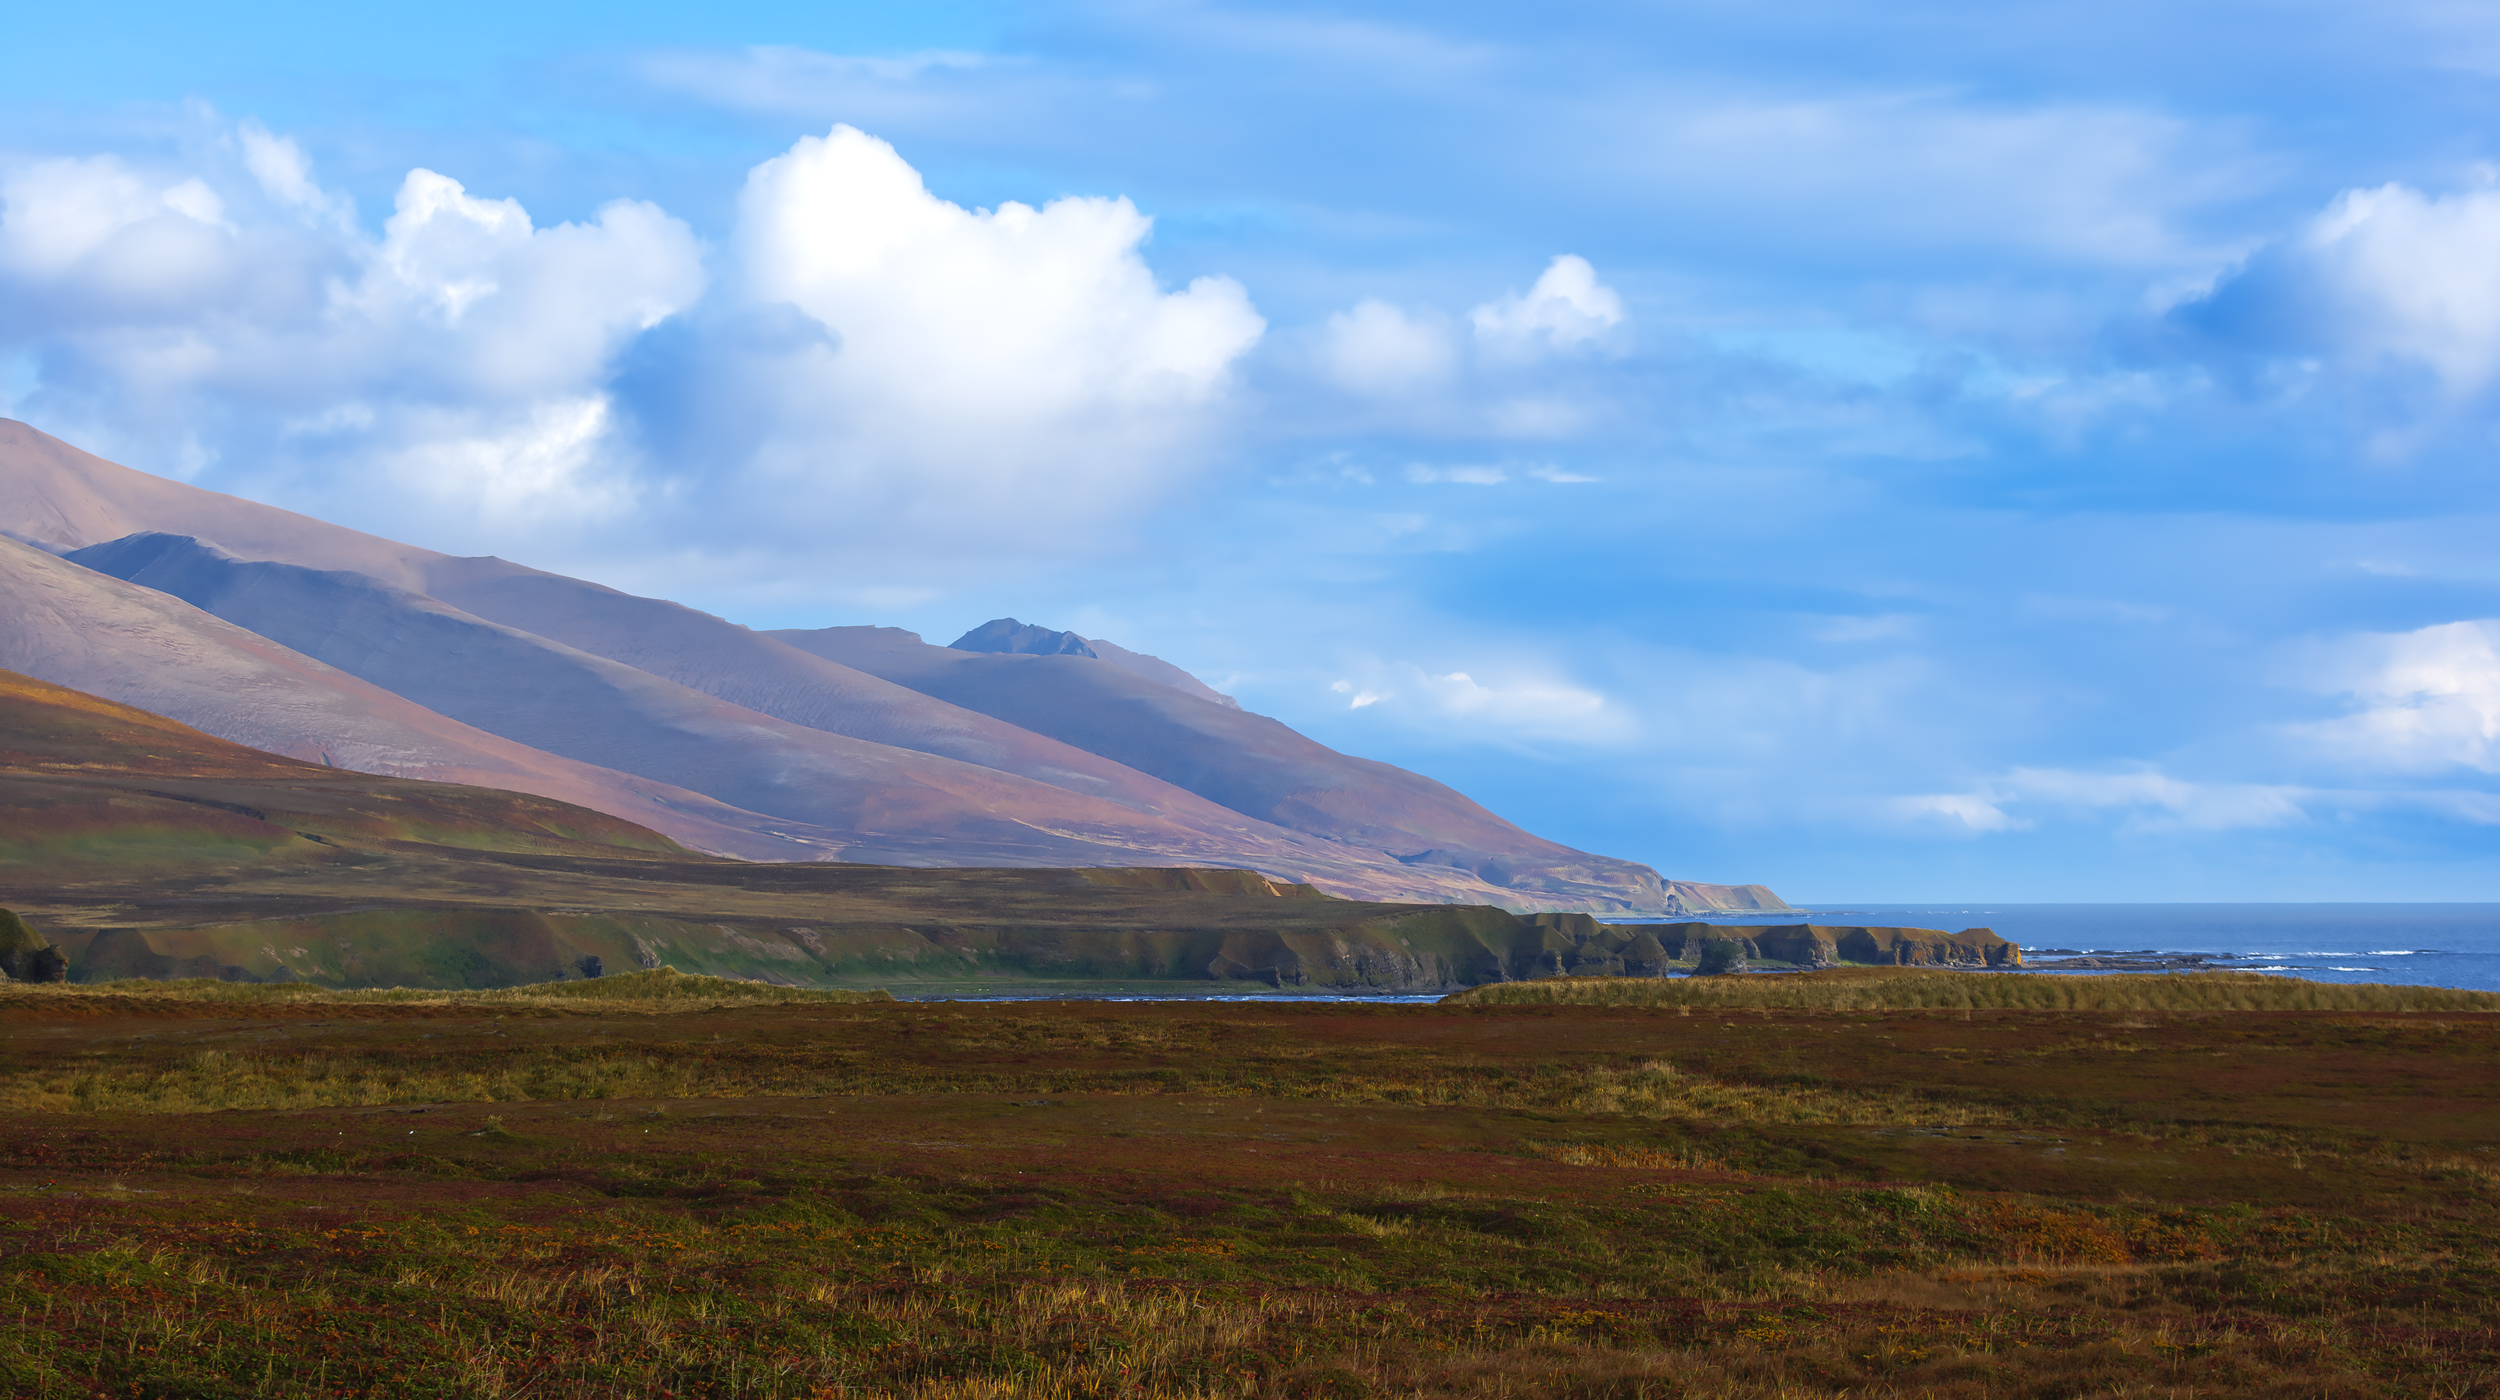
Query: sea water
(2424, 945)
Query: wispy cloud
(1380, 351)
(1518, 704)
(797, 82)
(2149, 801)
(1423, 475)
(2105, 184)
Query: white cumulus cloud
(506, 310)
(1505, 370)
(1023, 353)
(2428, 699)
(285, 173)
(871, 364)
(1566, 309)
(460, 360)
(2381, 275)
(118, 242)
(2415, 277)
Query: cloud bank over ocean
(1998, 459)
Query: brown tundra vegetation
(1809, 1185)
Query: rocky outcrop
(1654, 950)
(1007, 636)
(1468, 947)
(25, 955)
(2142, 960)
(1013, 638)
(1691, 897)
(1922, 947)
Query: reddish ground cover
(1228, 1200)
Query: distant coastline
(2442, 944)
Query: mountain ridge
(551, 696)
(840, 760)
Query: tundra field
(1862, 1183)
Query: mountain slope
(147, 849)
(845, 797)
(78, 628)
(891, 805)
(85, 780)
(804, 752)
(1246, 762)
(1007, 635)
(762, 673)
(54, 492)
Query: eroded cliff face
(1323, 945)
(1448, 949)
(1819, 945)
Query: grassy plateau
(1860, 1183)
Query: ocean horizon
(2424, 945)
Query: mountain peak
(1005, 634)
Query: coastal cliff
(1167, 930)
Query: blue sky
(1905, 452)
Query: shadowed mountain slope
(1155, 668)
(78, 628)
(87, 781)
(889, 805)
(1249, 763)
(762, 673)
(54, 492)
